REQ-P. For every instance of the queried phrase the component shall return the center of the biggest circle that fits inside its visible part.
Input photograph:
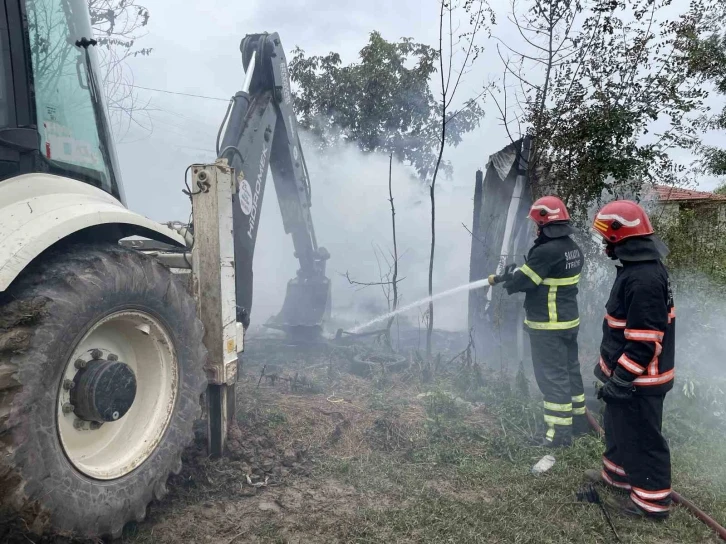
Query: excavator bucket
(305, 309)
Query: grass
(446, 496)
(446, 459)
(468, 484)
(441, 458)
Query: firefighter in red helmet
(549, 278)
(636, 362)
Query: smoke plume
(352, 215)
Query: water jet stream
(466, 287)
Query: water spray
(466, 287)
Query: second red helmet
(622, 219)
(548, 209)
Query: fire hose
(677, 497)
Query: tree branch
(520, 29)
(502, 112)
(351, 281)
(520, 78)
(451, 51)
(474, 31)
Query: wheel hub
(125, 363)
(103, 390)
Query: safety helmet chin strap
(610, 250)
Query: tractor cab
(53, 116)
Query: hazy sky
(196, 50)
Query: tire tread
(67, 278)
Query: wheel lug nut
(79, 364)
(112, 357)
(78, 424)
(96, 354)
(68, 384)
(68, 408)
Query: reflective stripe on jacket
(638, 340)
(549, 278)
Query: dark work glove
(508, 273)
(616, 390)
(505, 276)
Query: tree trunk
(430, 329)
(430, 324)
(395, 250)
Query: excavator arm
(261, 133)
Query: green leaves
(610, 94)
(381, 103)
(702, 48)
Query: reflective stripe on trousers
(556, 415)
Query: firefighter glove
(508, 273)
(616, 390)
(504, 277)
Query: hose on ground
(677, 497)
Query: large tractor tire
(101, 373)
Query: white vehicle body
(39, 210)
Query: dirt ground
(431, 453)
(297, 412)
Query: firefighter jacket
(549, 278)
(638, 338)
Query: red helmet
(548, 209)
(621, 219)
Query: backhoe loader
(113, 327)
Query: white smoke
(351, 214)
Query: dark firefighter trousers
(557, 371)
(637, 458)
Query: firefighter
(636, 363)
(549, 278)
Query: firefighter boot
(562, 439)
(626, 507)
(594, 476)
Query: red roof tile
(669, 194)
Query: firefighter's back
(552, 305)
